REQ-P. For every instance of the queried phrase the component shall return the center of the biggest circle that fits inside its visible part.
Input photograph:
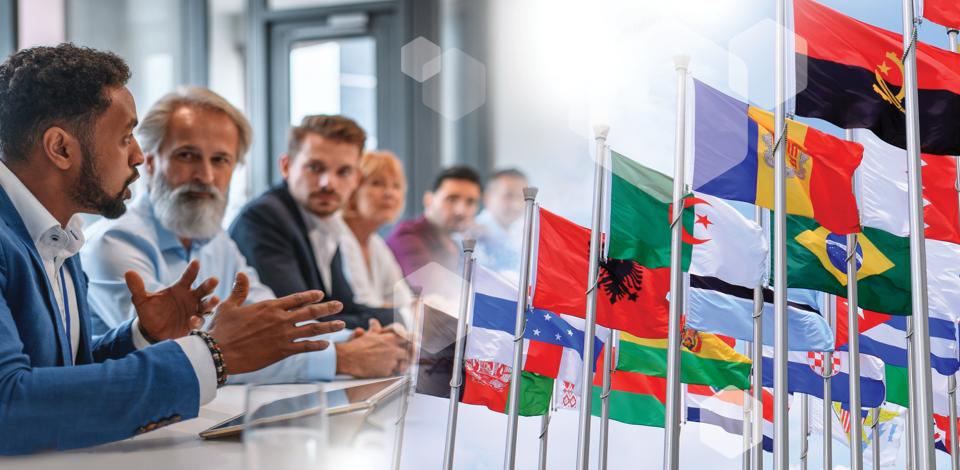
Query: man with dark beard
(66, 147)
(193, 140)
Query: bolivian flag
(853, 78)
(706, 359)
(816, 259)
(734, 160)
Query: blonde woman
(373, 271)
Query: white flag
(727, 245)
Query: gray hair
(154, 124)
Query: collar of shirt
(167, 241)
(52, 240)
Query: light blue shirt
(137, 241)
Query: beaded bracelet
(216, 354)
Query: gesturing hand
(172, 312)
(257, 335)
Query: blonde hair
(373, 163)
(154, 126)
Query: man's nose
(203, 173)
(324, 180)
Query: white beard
(187, 218)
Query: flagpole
(590, 324)
(605, 399)
(456, 379)
(952, 396)
(747, 420)
(831, 316)
(853, 346)
(756, 449)
(911, 397)
(513, 407)
(804, 430)
(671, 442)
(875, 438)
(952, 380)
(781, 445)
(544, 429)
(918, 266)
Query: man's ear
(60, 148)
(150, 163)
(427, 198)
(285, 165)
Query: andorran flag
(734, 160)
(630, 297)
(816, 259)
(850, 73)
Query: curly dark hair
(64, 86)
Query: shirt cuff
(199, 355)
(139, 341)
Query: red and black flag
(854, 79)
(945, 12)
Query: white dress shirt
(55, 245)
(324, 234)
(382, 285)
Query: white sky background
(561, 66)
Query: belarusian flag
(706, 359)
(634, 398)
(631, 297)
(817, 259)
(640, 215)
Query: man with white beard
(193, 140)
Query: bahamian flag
(640, 215)
(816, 259)
(734, 160)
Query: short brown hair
(333, 127)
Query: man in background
(499, 227)
(448, 213)
(291, 233)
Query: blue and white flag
(888, 342)
(805, 372)
(716, 306)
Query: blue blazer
(112, 391)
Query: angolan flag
(854, 79)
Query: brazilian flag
(816, 259)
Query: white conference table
(480, 442)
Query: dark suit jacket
(272, 235)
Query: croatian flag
(488, 365)
(805, 373)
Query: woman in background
(373, 271)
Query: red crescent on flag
(686, 236)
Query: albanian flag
(854, 79)
(631, 298)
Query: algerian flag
(891, 424)
(640, 202)
(726, 245)
(817, 260)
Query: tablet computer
(359, 397)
